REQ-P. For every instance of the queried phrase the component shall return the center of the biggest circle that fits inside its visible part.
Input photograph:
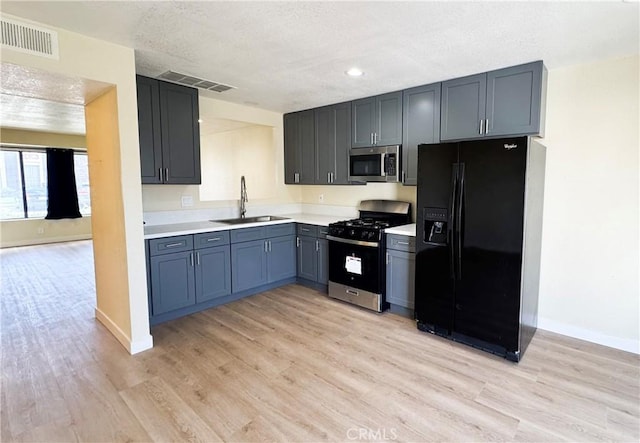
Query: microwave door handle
(383, 165)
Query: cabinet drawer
(323, 231)
(167, 245)
(401, 243)
(209, 239)
(248, 234)
(307, 230)
(280, 230)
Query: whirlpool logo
(509, 147)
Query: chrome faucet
(243, 197)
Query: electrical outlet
(40, 230)
(321, 198)
(187, 200)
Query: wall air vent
(194, 82)
(28, 38)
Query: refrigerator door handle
(452, 211)
(459, 207)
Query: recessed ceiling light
(354, 72)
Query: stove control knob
(352, 233)
(372, 234)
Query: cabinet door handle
(375, 138)
(403, 243)
(388, 258)
(481, 126)
(173, 245)
(297, 242)
(304, 229)
(198, 258)
(317, 245)
(328, 177)
(166, 175)
(266, 248)
(191, 259)
(214, 239)
(404, 176)
(269, 245)
(332, 177)
(296, 177)
(160, 174)
(486, 126)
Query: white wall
(589, 273)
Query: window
(23, 183)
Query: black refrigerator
(478, 232)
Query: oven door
(355, 263)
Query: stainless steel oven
(357, 268)
(376, 164)
(357, 272)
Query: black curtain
(61, 183)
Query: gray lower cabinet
(261, 261)
(172, 282)
(503, 102)
(421, 124)
(313, 254)
(213, 273)
(186, 270)
(249, 264)
(401, 267)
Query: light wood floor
(285, 365)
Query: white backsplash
(195, 215)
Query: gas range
(366, 229)
(357, 267)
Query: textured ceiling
(288, 56)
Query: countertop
(409, 230)
(160, 231)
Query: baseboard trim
(623, 344)
(44, 241)
(132, 346)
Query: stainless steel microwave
(375, 164)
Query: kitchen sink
(239, 221)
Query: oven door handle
(371, 244)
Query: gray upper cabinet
(508, 101)
(377, 120)
(421, 124)
(515, 100)
(149, 130)
(463, 107)
(363, 114)
(333, 140)
(169, 133)
(299, 147)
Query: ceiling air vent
(25, 37)
(194, 82)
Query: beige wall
(40, 231)
(88, 58)
(37, 138)
(167, 197)
(589, 272)
(352, 195)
